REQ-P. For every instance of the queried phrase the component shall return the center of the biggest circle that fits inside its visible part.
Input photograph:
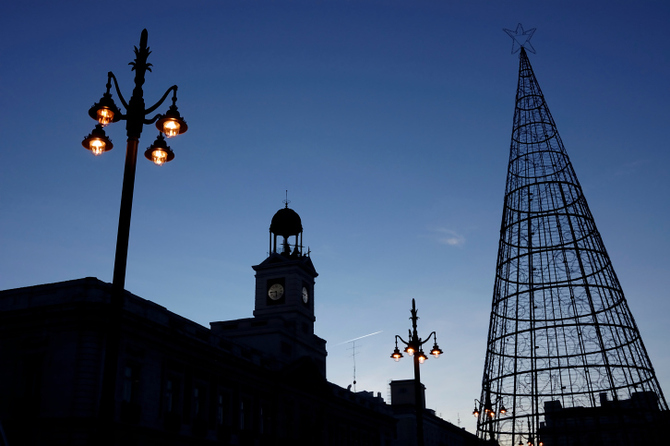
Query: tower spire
(561, 334)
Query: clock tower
(285, 280)
(283, 322)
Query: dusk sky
(389, 124)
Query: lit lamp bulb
(409, 351)
(159, 152)
(159, 156)
(97, 146)
(105, 115)
(171, 128)
(396, 355)
(171, 123)
(97, 141)
(422, 357)
(105, 111)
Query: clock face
(305, 294)
(276, 291)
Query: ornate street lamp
(106, 112)
(488, 410)
(413, 347)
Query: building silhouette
(254, 381)
(437, 432)
(564, 355)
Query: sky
(388, 122)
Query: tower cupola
(287, 224)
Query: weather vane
(521, 38)
(287, 201)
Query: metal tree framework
(560, 327)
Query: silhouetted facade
(179, 383)
(634, 421)
(437, 432)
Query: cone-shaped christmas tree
(561, 335)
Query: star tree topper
(521, 38)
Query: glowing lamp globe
(159, 152)
(105, 116)
(97, 141)
(171, 123)
(105, 111)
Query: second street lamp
(106, 112)
(414, 348)
(486, 411)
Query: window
(219, 409)
(242, 415)
(131, 383)
(261, 420)
(130, 397)
(196, 401)
(199, 401)
(171, 394)
(246, 413)
(224, 408)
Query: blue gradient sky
(388, 122)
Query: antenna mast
(353, 351)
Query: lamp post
(413, 347)
(170, 124)
(485, 412)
